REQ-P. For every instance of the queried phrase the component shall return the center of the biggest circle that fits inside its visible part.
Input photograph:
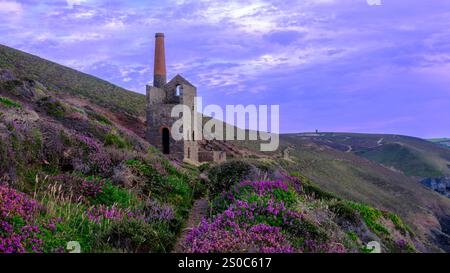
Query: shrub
(146, 170)
(155, 211)
(312, 189)
(98, 117)
(204, 167)
(371, 217)
(179, 186)
(10, 85)
(110, 195)
(199, 188)
(223, 176)
(344, 210)
(113, 139)
(94, 155)
(180, 194)
(92, 187)
(52, 106)
(352, 236)
(136, 236)
(170, 169)
(9, 103)
(398, 223)
(21, 149)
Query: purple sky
(334, 65)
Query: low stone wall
(219, 156)
(212, 156)
(205, 157)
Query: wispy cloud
(72, 3)
(10, 11)
(361, 65)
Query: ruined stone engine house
(161, 98)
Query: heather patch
(297, 217)
(25, 226)
(94, 212)
(71, 172)
(258, 216)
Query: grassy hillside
(333, 167)
(72, 170)
(66, 80)
(410, 155)
(289, 214)
(69, 173)
(441, 141)
(401, 158)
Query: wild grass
(63, 79)
(9, 103)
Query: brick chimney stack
(159, 74)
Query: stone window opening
(178, 91)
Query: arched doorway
(166, 140)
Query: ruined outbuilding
(161, 98)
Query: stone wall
(159, 117)
(205, 156)
(160, 102)
(191, 151)
(219, 156)
(212, 156)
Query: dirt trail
(199, 210)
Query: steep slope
(66, 80)
(72, 170)
(288, 215)
(332, 166)
(412, 156)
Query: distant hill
(441, 141)
(410, 155)
(63, 79)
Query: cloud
(115, 24)
(7, 7)
(81, 37)
(72, 3)
(84, 14)
(283, 37)
(320, 54)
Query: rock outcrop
(439, 184)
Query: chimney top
(159, 74)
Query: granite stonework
(162, 97)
